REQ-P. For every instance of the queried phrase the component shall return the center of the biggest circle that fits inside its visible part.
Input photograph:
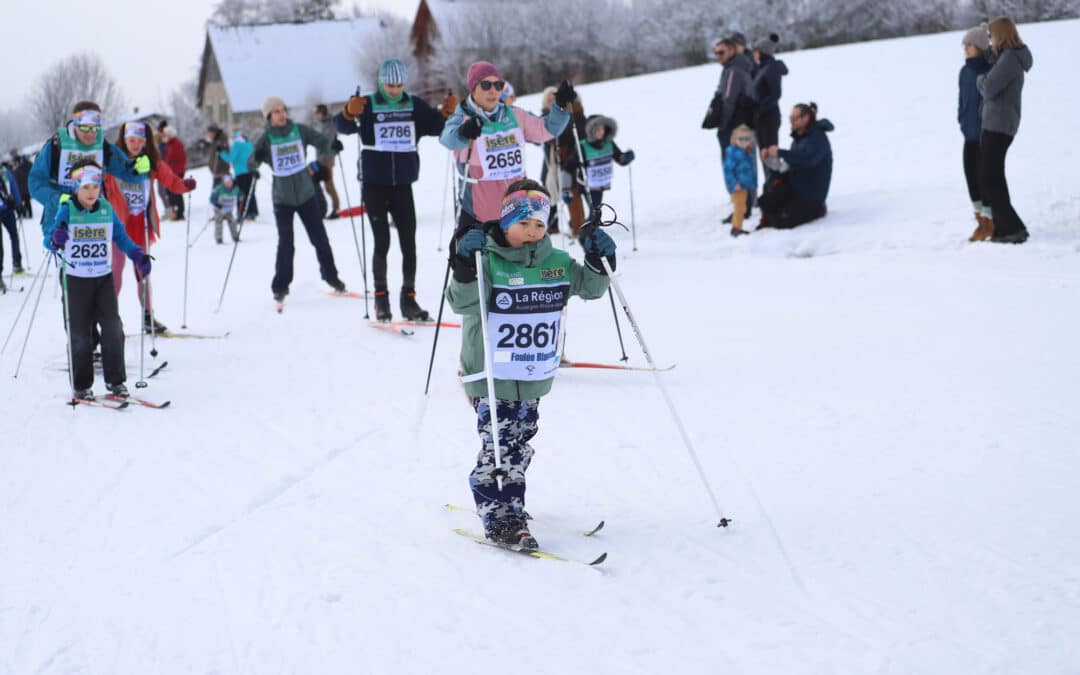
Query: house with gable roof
(303, 63)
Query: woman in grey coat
(1001, 89)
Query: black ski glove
(463, 262)
(565, 94)
(470, 128)
(336, 146)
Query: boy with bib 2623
(527, 283)
(83, 233)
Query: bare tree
(70, 80)
(243, 12)
(391, 41)
(16, 130)
(186, 117)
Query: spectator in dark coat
(733, 103)
(21, 169)
(798, 195)
(975, 43)
(767, 90)
(1001, 88)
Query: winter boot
(985, 228)
(337, 284)
(511, 531)
(118, 389)
(19, 269)
(382, 306)
(727, 221)
(409, 309)
(152, 325)
(84, 394)
(738, 232)
(3, 286)
(1018, 237)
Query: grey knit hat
(393, 71)
(738, 38)
(977, 37)
(768, 45)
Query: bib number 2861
(526, 335)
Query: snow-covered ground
(888, 413)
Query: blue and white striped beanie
(393, 71)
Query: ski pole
(724, 521)
(446, 188)
(618, 328)
(26, 243)
(33, 314)
(633, 222)
(141, 384)
(205, 226)
(489, 375)
(352, 222)
(239, 230)
(148, 305)
(446, 277)
(187, 251)
(23, 305)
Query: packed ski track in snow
(888, 414)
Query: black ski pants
(11, 224)
(311, 217)
(92, 303)
(244, 181)
(995, 191)
(971, 170)
(382, 202)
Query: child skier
(224, 199)
(598, 151)
(282, 146)
(740, 174)
(527, 284)
(135, 204)
(83, 232)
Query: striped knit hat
(393, 71)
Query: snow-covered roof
(300, 62)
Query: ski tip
(595, 529)
(602, 558)
(166, 404)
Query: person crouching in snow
(597, 153)
(282, 146)
(740, 174)
(518, 256)
(83, 232)
(224, 199)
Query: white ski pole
(187, 251)
(493, 417)
(724, 521)
(633, 221)
(22, 307)
(34, 280)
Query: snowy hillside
(888, 413)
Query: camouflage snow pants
(517, 425)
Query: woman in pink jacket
(489, 138)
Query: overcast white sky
(149, 46)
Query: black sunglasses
(486, 85)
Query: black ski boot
(382, 306)
(409, 309)
(118, 390)
(152, 325)
(84, 394)
(511, 531)
(338, 285)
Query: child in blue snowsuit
(740, 174)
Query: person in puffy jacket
(740, 174)
(1001, 88)
(975, 43)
